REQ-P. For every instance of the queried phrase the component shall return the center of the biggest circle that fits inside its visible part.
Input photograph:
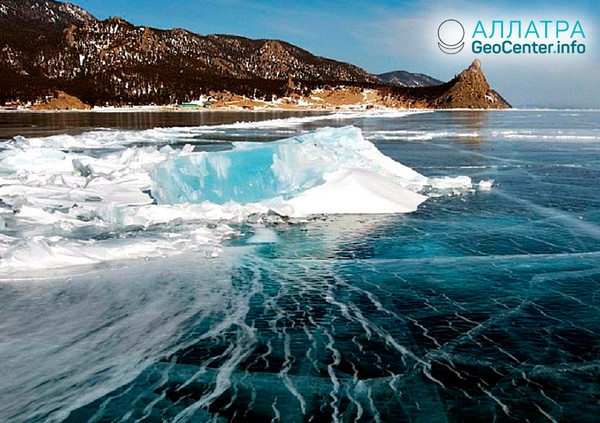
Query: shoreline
(166, 109)
(227, 108)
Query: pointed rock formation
(471, 90)
(468, 90)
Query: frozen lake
(481, 305)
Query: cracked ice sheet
(468, 309)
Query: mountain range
(49, 46)
(402, 78)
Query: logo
(518, 37)
(451, 34)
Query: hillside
(56, 45)
(52, 47)
(402, 78)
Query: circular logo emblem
(451, 34)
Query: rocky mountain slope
(40, 16)
(402, 78)
(50, 47)
(61, 45)
(470, 89)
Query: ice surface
(485, 185)
(419, 135)
(104, 138)
(263, 236)
(67, 197)
(448, 182)
(478, 308)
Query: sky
(386, 35)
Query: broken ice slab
(253, 172)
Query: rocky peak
(41, 15)
(470, 89)
(272, 47)
(475, 66)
